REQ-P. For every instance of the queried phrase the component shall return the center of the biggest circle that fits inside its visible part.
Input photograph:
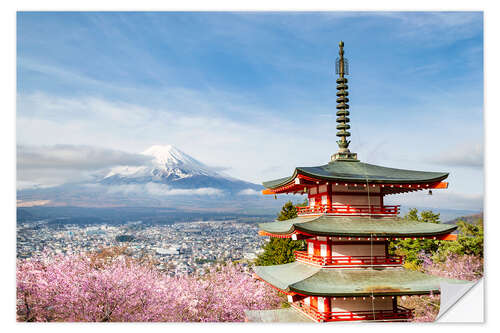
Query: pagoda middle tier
(355, 227)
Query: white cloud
(74, 157)
(208, 136)
(45, 166)
(445, 199)
(464, 155)
(156, 189)
(436, 27)
(249, 191)
(256, 146)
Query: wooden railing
(401, 313)
(305, 257)
(348, 210)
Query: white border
(7, 20)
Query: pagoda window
(313, 190)
(324, 199)
(323, 249)
(310, 248)
(322, 188)
(355, 200)
(356, 249)
(312, 201)
(321, 304)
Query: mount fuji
(170, 166)
(168, 178)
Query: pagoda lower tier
(344, 294)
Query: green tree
(281, 250)
(425, 216)
(429, 217)
(410, 248)
(470, 241)
(288, 211)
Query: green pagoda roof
(354, 171)
(357, 226)
(315, 281)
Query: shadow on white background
(462, 303)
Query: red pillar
(314, 302)
(328, 304)
(329, 244)
(329, 197)
(317, 248)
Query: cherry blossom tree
(86, 288)
(461, 267)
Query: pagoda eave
(355, 173)
(300, 235)
(395, 292)
(355, 227)
(295, 294)
(306, 280)
(299, 186)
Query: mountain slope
(172, 167)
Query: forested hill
(469, 218)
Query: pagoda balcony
(347, 261)
(400, 314)
(349, 210)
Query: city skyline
(253, 94)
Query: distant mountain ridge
(172, 167)
(171, 178)
(468, 219)
(446, 215)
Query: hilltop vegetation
(469, 241)
(460, 259)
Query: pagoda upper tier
(355, 173)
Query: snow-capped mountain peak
(169, 173)
(167, 164)
(168, 157)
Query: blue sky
(253, 94)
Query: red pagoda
(346, 272)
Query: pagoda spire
(342, 69)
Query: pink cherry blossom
(76, 288)
(464, 267)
